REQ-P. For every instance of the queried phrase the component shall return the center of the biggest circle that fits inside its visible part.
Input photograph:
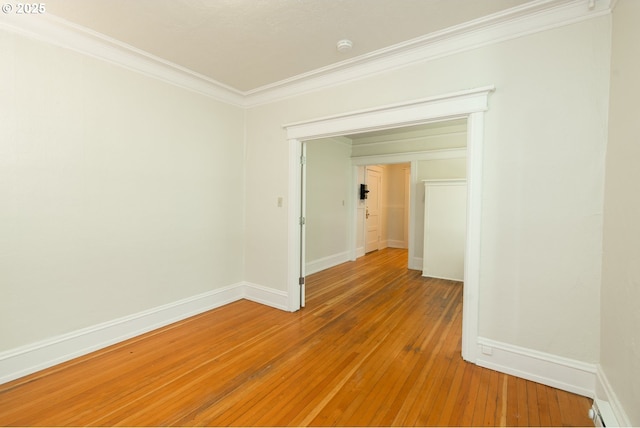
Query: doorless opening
(469, 104)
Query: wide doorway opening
(388, 197)
(469, 105)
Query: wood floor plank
(533, 415)
(376, 345)
(493, 399)
(513, 415)
(473, 387)
(523, 403)
(543, 406)
(455, 407)
(554, 407)
(480, 406)
(502, 401)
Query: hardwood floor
(377, 345)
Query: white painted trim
(58, 32)
(608, 403)
(22, 361)
(294, 234)
(442, 277)
(603, 415)
(267, 296)
(470, 104)
(28, 359)
(396, 243)
(530, 18)
(409, 156)
(455, 105)
(326, 262)
(415, 263)
(445, 181)
(559, 372)
(471, 287)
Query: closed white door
(372, 211)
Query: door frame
(470, 104)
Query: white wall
(543, 177)
(396, 208)
(620, 335)
(328, 174)
(447, 136)
(437, 169)
(120, 193)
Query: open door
(303, 221)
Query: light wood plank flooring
(377, 345)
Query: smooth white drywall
(328, 177)
(397, 208)
(120, 193)
(545, 135)
(451, 137)
(620, 336)
(438, 169)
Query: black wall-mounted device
(363, 191)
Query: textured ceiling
(248, 44)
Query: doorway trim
(470, 104)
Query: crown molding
(532, 17)
(56, 31)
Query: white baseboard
(415, 263)
(266, 296)
(360, 252)
(25, 360)
(559, 372)
(443, 277)
(392, 243)
(607, 403)
(326, 262)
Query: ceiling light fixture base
(344, 45)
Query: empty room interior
(319, 213)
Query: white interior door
(372, 210)
(303, 222)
